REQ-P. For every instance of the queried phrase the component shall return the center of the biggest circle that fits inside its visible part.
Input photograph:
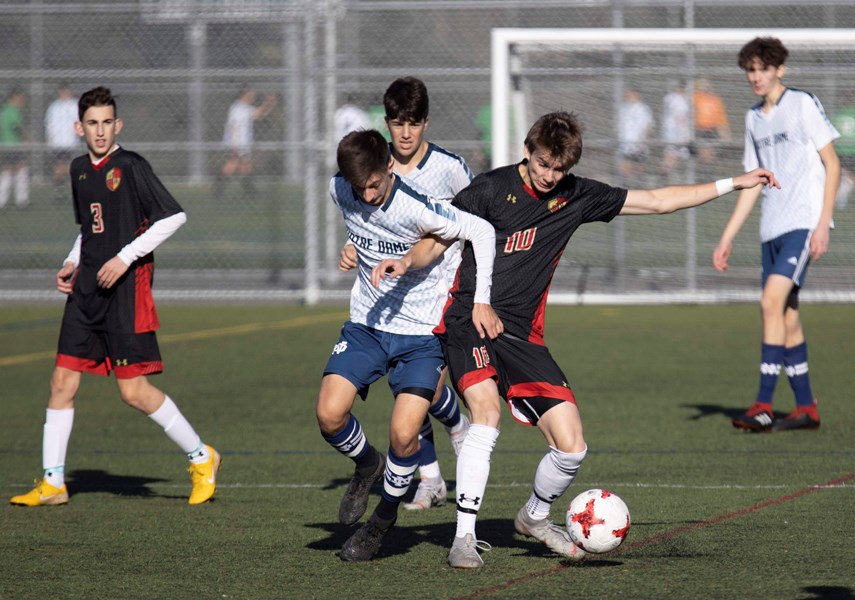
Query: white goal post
(662, 259)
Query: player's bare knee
(330, 420)
(63, 387)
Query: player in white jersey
(786, 132)
(390, 327)
(442, 174)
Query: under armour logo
(475, 501)
(340, 347)
(511, 198)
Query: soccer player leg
(473, 472)
(561, 425)
(446, 410)
(417, 362)
(356, 361)
(59, 419)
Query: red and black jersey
(115, 201)
(531, 234)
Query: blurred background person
(13, 159)
(676, 130)
(635, 123)
(239, 136)
(61, 137)
(844, 121)
(350, 117)
(711, 124)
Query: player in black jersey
(109, 324)
(535, 207)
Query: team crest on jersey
(556, 204)
(114, 178)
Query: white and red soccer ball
(597, 521)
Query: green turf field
(717, 513)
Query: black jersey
(115, 201)
(531, 234)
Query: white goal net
(593, 72)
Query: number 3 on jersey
(97, 217)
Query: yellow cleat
(44, 494)
(204, 478)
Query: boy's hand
(65, 278)
(109, 274)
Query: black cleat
(758, 418)
(355, 499)
(797, 420)
(365, 543)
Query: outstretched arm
(672, 198)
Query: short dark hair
(361, 154)
(406, 99)
(99, 96)
(559, 134)
(770, 51)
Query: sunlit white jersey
(238, 131)
(786, 141)
(443, 174)
(409, 305)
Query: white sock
(22, 186)
(55, 436)
(473, 470)
(5, 187)
(430, 471)
(179, 430)
(554, 474)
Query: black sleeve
(156, 201)
(473, 197)
(602, 202)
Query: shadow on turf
(828, 592)
(499, 533)
(711, 410)
(94, 481)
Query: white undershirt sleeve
(74, 255)
(159, 232)
(450, 223)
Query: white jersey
(350, 118)
(238, 133)
(413, 304)
(634, 124)
(443, 174)
(675, 119)
(59, 124)
(787, 141)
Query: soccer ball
(597, 521)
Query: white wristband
(724, 186)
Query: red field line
(665, 535)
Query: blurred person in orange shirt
(711, 124)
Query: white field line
(510, 485)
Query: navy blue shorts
(363, 355)
(787, 255)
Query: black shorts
(128, 354)
(528, 377)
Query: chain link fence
(177, 66)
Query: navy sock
(796, 367)
(770, 368)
